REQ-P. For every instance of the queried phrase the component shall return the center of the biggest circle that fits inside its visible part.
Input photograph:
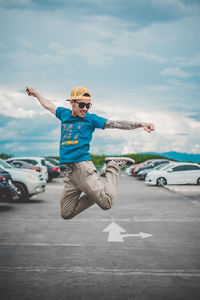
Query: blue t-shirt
(76, 134)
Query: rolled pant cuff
(112, 166)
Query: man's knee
(67, 216)
(106, 207)
(107, 204)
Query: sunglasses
(83, 104)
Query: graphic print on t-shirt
(70, 133)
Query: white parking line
(131, 220)
(184, 190)
(193, 189)
(121, 272)
(40, 245)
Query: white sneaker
(120, 161)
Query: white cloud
(167, 136)
(158, 88)
(19, 105)
(174, 131)
(99, 40)
(193, 61)
(109, 38)
(122, 58)
(178, 5)
(183, 86)
(13, 104)
(15, 147)
(196, 149)
(16, 2)
(175, 72)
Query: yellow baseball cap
(81, 93)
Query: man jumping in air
(83, 187)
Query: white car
(175, 173)
(35, 161)
(27, 182)
(128, 170)
(103, 170)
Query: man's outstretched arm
(46, 103)
(128, 125)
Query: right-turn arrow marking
(114, 233)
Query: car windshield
(43, 162)
(2, 170)
(154, 163)
(161, 167)
(5, 164)
(167, 167)
(149, 162)
(49, 164)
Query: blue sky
(139, 58)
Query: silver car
(27, 182)
(175, 173)
(35, 161)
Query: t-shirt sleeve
(60, 111)
(98, 122)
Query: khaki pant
(84, 188)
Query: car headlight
(33, 177)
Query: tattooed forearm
(126, 125)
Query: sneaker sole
(129, 161)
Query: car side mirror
(170, 170)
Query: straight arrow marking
(114, 233)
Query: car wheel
(49, 179)
(198, 181)
(21, 190)
(161, 181)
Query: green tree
(5, 156)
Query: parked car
(27, 182)
(55, 162)
(142, 174)
(53, 171)
(7, 189)
(52, 160)
(145, 163)
(175, 173)
(152, 165)
(35, 161)
(128, 170)
(102, 170)
(24, 165)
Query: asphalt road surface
(146, 247)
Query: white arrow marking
(114, 233)
(143, 235)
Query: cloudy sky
(139, 58)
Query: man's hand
(31, 92)
(49, 105)
(149, 127)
